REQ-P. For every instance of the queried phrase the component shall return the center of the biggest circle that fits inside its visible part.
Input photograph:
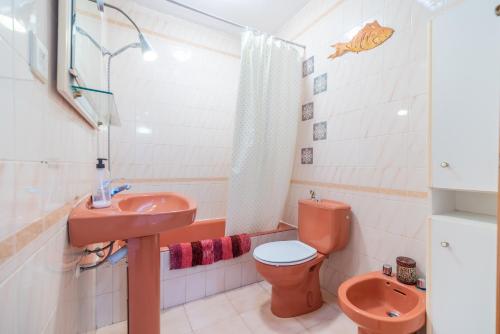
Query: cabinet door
(465, 96)
(463, 278)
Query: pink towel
(175, 256)
(208, 251)
(227, 248)
(246, 243)
(187, 255)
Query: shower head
(100, 5)
(148, 53)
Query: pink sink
(130, 216)
(139, 219)
(381, 305)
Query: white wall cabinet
(466, 96)
(463, 273)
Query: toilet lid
(284, 253)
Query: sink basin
(381, 305)
(129, 216)
(138, 218)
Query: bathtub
(199, 230)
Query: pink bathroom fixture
(379, 304)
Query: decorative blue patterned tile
(307, 156)
(319, 131)
(307, 111)
(307, 67)
(320, 83)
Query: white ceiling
(264, 15)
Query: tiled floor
(245, 311)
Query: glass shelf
(100, 102)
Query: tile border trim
(15, 243)
(164, 36)
(366, 189)
(173, 180)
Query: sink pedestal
(144, 285)
(139, 219)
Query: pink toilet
(292, 267)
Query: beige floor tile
(207, 311)
(326, 313)
(262, 321)
(233, 325)
(266, 286)
(248, 298)
(328, 297)
(118, 328)
(175, 321)
(219, 315)
(340, 324)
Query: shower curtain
(265, 133)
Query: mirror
(81, 68)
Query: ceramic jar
(406, 270)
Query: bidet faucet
(119, 189)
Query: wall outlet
(39, 58)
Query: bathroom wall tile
(308, 66)
(7, 119)
(119, 305)
(24, 15)
(119, 276)
(215, 281)
(376, 114)
(232, 276)
(248, 273)
(174, 291)
(105, 279)
(29, 160)
(195, 286)
(8, 26)
(307, 111)
(184, 128)
(320, 83)
(319, 131)
(8, 313)
(104, 310)
(307, 156)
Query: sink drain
(393, 314)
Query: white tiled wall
(46, 160)
(177, 112)
(210, 196)
(179, 286)
(376, 109)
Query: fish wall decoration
(371, 36)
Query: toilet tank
(324, 225)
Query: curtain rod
(234, 24)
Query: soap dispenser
(101, 197)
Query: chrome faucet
(119, 189)
(314, 196)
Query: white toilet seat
(284, 253)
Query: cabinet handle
(444, 164)
(445, 244)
